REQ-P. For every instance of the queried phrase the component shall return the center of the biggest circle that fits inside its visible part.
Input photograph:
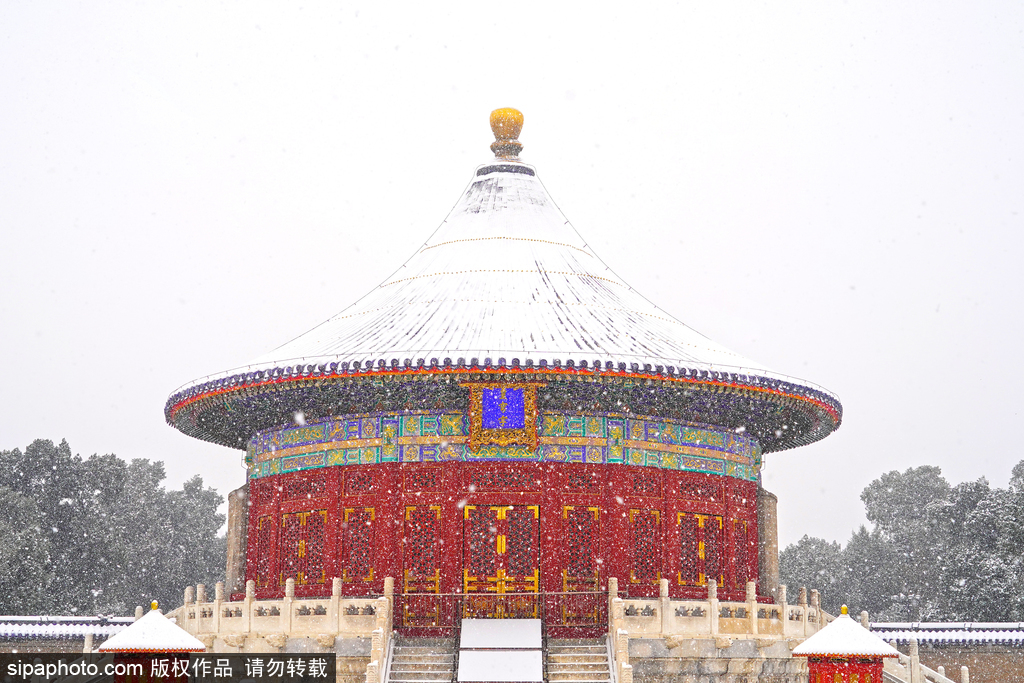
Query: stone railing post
(375, 668)
(752, 605)
(781, 601)
(189, 625)
(965, 675)
(622, 666)
(377, 645)
(613, 594)
(713, 609)
(915, 663)
(942, 670)
(200, 601)
(218, 603)
(286, 612)
(389, 593)
(802, 601)
(250, 599)
(384, 623)
(138, 612)
(617, 612)
(666, 625)
(816, 605)
(335, 614)
(87, 644)
(865, 621)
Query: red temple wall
(562, 527)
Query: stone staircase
(422, 660)
(576, 661)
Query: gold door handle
(501, 544)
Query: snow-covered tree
(107, 535)
(934, 552)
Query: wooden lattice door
(700, 549)
(421, 573)
(302, 544)
(580, 549)
(501, 558)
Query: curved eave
(187, 409)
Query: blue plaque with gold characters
(503, 408)
(502, 414)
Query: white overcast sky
(832, 189)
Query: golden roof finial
(844, 610)
(506, 123)
(153, 605)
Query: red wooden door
(501, 552)
(421, 570)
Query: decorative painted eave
(779, 414)
(506, 285)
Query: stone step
(416, 641)
(577, 666)
(422, 675)
(579, 676)
(577, 659)
(397, 665)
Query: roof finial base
(506, 124)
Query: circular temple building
(503, 415)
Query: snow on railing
(322, 619)
(909, 667)
(663, 616)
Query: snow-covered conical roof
(506, 282)
(844, 637)
(506, 275)
(153, 632)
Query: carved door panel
(266, 551)
(421, 570)
(700, 549)
(645, 546)
(580, 540)
(357, 542)
(743, 552)
(581, 536)
(501, 557)
(302, 546)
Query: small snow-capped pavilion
(844, 651)
(504, 415)
(153, 632)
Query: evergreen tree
(814, 563)
(934, 552)
(104, 534)
(25, 573)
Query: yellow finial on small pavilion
(506, 124)
(844, 610)
(153, 605)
